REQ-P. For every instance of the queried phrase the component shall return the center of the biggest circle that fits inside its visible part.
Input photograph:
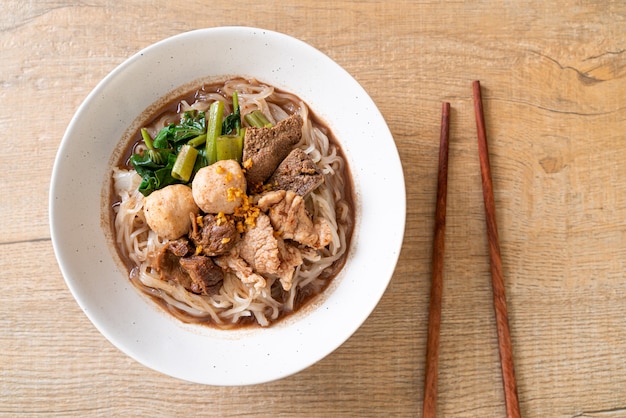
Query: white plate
(136, 325)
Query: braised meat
(166, 263)
(291, 257)
(259, 246)
(290, 218)
(206, 277)
(297, 172)
(180, 247)
(262, 252)
(265, 148)
(232, 262)
(213, 235)
(196, 273)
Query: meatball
(219, 187)
(167, 211)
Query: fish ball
(167, 211)
(219, 187)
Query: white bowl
(135, 324)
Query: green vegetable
(197, 141)
(200, 160)
(155, 166)
(214, 129)
(185, 162)
(154, 154)
(192, 124)
(229, 147)
(232, 122)
(147, 139)
(252, 120)
(258, 120)
(179, 150)
(154, 175)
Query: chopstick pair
(499, 297)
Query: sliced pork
(232, 262)
(206, 277)
(291, 220)
(261, 251)
(213, 235)
(196, 273)
(265, 148)
(259, 247)
(298, 173)
(290, 259)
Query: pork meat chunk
(233, 263)
(290, 259)
(298, 173)
(259, 247)
(260, 253)
(213, 235)
(196, 273)
(265, 148)
(167, 263)
(290, 218)
(206, 277)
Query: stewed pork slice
(291, 220)
(166, 262)
(260, 252)
(180, 247)
(297, 172)
(265, 148)
(196, 273)
(269, 254)
(291, 257)
(206, 277)
(213, 234)
(231, 262)
(259, 247)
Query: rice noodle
(236, 302)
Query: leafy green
(154, 175)
(192, 124)
(156, 164)
(155, 156)
(201, 160)
(232, 122)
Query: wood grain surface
(554, 93)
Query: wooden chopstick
(434, 316)
(499, 297)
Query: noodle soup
(244, 240)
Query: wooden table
(554, 91)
